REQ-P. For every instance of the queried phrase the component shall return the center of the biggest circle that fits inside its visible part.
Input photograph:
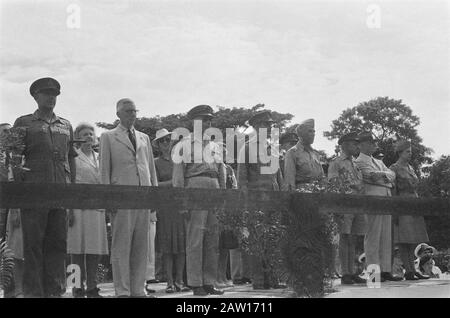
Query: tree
(236, 117)
(224, 118)
(389, 120)
(437, 184)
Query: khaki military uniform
(48, 149)
(202, 230)
(301, 165)
(250, 177)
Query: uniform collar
(301, 147)
(37, 117)
(344, 156)
(365, 157)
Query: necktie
(132, 138)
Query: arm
(280, 180)
(178, 175)
(242, 172)
(222, 176)
(289, 170)
(370, 174)
(389, 174)
(105, 159)
(233, 177)
(151, 163)
(333, 171)
(72, 155)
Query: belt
(208, 174)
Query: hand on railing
(71, 218)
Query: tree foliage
(225, 117)
(389, 120)
(437, 184)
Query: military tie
(132, 138)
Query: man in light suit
(378, 180)
(126, 158)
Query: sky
(312, 59)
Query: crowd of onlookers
(186, 248)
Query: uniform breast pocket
(302, 164)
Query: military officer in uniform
(302, 163)
(250, 177)
(202, 229)
(287, 141)
(350, 226)
(49, 156)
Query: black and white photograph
(224, 155)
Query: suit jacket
(121, 164)
(368, 166)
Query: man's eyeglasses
(130, 111)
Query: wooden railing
(305, 211)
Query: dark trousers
(44, 247)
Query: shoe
(170, 289)
(220, 285)
(93, 293)
(420, 276)
(143, 296)
(358, 280)
(410, 276)
(78, 293)
(229, 283)
(239, 281)
(259, 287)
(347, 280)
(388, 276)
(181, 287)
(152, 281)
(246, 280)
(278, 286)
(199, 291)
(149, 290)
(212, 291)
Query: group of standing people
(188, 240)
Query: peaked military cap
(288, 137)
(366, 136)
(351, 136)
(200, 110)
(45, 84)
(262, 116)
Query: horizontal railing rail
(89, 196)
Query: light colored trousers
(202, 239)
(377, 242)
(129, 250)
(150, 274)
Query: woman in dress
(409, 230)
(86, 237)
(170, 238)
